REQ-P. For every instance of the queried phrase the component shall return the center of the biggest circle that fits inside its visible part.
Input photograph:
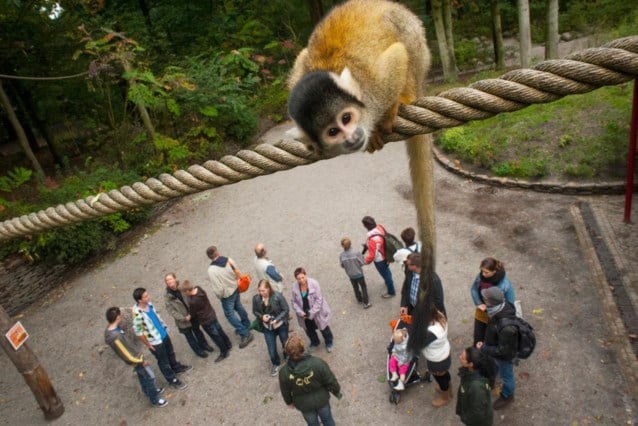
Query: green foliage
(74, 243)
(14, 179)
(523, 168)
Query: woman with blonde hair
(271, 309)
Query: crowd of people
(306, 381)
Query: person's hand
(403, 310)
(479, 345)
(265, 318)
(482, 307)
(187, 317)
(291, 406)
(145, 363)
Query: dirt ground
(573, 378)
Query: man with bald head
(266, 270)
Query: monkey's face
(344, 135)
(327, 109)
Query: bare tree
(316, 10)
(497, 35)
(551, 38)
(449, 70)
(524, 33)
(22, 137)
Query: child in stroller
(401, 365)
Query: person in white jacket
(223, 280)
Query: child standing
(400, 358)
(202, 311)
(352, 262)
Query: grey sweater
(352, 262)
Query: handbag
(243, 280)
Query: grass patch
(578, 137)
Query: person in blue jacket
(492, 273)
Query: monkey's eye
(333, 131)
(345, 118)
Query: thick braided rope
(613, 63)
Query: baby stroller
(412, 376)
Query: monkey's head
(328, 111)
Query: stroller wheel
(395, 397)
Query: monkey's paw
(375, 143)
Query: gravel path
(301, 214)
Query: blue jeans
(148, 383)
(323, 413)
(386, 274)
(506, 371)
(215, 331)
(232, 305)
(165, 355)
(271, 342)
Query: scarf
(493, 310)
(494, 279)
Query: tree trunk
(316, 11)
(36, 377)
(497, 36)
(449, 36)
(439, 27)
(144, 115)
(551, 38)
(524, 34)
(30, 110)
(22, 137)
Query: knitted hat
(493, 296)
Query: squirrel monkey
(362, 60)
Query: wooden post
(631, 157)
(36, 377)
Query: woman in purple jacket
(313, 312)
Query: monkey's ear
(295, 133)
(347, 82)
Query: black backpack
(526, 337)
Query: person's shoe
(312, 348)
(178, 384)
(366, 305)
(160, 391)
(399, 386)
(245, 341)
(329, 348)
(183, 368)
(394, 376)
(502, 402)
(221, 357)
(443, 397)
(388, 295)
(161, 403)
(202, 355)
(209, 348)
(274, 370)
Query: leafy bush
(74, 243)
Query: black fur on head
(315, 100)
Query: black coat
(501, 342)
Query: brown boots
(442, 397)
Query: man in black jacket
(501, 342)
(410, 289)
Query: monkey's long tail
(421, 171)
